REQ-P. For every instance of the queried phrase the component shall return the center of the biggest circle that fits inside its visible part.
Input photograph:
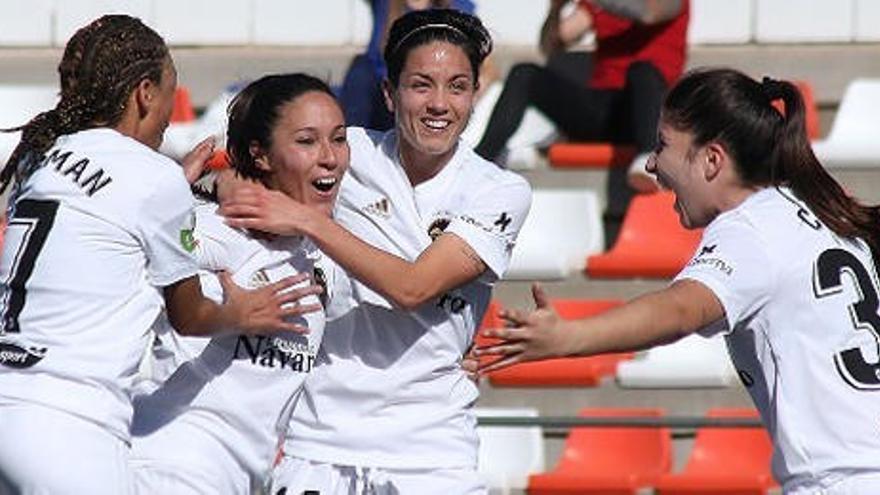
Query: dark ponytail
(769, 144)
(102, 64)
(797, 166)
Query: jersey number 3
(851, 363)
(25, 235)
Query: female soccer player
(787, 270)
(212, 426)
(93, 245)
(424, 226)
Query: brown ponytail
(769, 146)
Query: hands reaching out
(526, 336)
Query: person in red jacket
(640, 52)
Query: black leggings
(583, 114)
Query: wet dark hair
(420, 27)
(102, 64)
(254, 112)
(770, 147)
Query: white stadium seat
(563, 227)
(70, 16)
(509, 454)
(31, 26)
(867, 20)
(854, 139)
(692, 362)
(803, 21)
(203, 22)
(714, 22)
(18, 105)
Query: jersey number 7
(851, 364)
(25, 236)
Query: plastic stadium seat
(572, 372)
(812, 110)
(651, 244)
(691, 362)
(854, 139)
(608, 460)
(590, 155)
(19, 103)
(183, 107)
(724, 461)
(569, 220)
(509, 454)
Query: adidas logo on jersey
(381, 208)
(18, 357)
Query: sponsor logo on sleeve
(503, 221)
(705, 258)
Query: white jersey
(93, 235)
(802, 325)
(388, 390)
(236, 388)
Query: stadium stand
(563, 227)
(724, 461)
(651, 244)
(572, 372)
(18, 104)
(509, 454)
(854, 139)
(692, 362)
(608, 460)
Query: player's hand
(195, 161)
(526, 336)
(470, 363)
(270, 308)
(258, 208)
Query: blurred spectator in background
(640, 51)
(361, 92)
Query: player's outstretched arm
(447, 263)
(262, 310)
(653, 319)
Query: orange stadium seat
(608, 460)
(812, 110)
(724, 461)
(651, 244)
(183, 108)
(590, 155)
(571, 372)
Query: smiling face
(432, 102)
(678, 165)
(309, 152)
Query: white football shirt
(93, 235)
(388, 390)
(802, 324)
(235, 388)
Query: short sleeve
(166, 223)
(491, 222)
(733, 263)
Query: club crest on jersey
(437, 227)
(321, 280)
(380, 208)
(15, 356)
(187, 238)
